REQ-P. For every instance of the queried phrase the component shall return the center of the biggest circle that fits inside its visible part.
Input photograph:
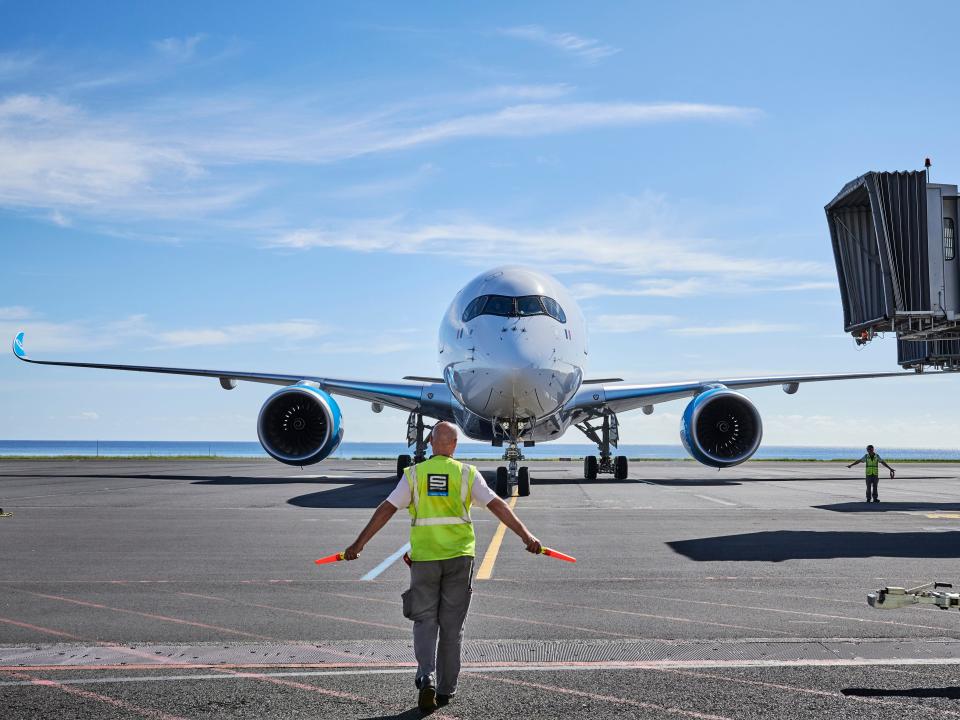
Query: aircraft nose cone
(515, 372)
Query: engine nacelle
(300, 425)
(721, 428)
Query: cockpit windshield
(505, 306)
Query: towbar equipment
(891, 598)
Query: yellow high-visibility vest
(873, 464)
(440, 524)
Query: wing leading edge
(398, 395)
(622, 398)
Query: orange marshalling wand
(336, 557)
(556, 554)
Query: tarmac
(181, 589)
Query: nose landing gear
(605, 436)
(513, 474)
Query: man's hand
(849, 466)
(892, 473)
(353, 552)
(533, 545)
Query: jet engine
(300, 425)
(721, 428)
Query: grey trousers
(437, 602)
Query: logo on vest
(438, 485)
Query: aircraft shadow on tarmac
(882, 507)
(780, 545)
(951, 693)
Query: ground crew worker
(873, 462)
(439, 493)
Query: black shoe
(443, 700)
(427, 699)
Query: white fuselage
(513, 366)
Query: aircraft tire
(621, 467)
(403, 462)
(591, 467)
(523, 482)
(503, 482)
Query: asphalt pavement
(174, 589)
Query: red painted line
(298, 612)
(152, 616)
(811, 691)
(670, 618)
(99, 697)
(40, 629)
(604, 698)
(161, 665)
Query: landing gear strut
(606, 436)
(513, 474)
(416, 440)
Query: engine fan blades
(298, 427)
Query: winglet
(18, 349)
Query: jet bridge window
(949, 239)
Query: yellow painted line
(486, 567)
(948, 516)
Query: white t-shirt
(480, 494)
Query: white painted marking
(316, 477)
(716, 500)
(533, 667)
(386, 563)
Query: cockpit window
(505, 306)
(474, 308)
(554, 310)
(529, 305)
(499, 305)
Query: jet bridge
(894, 237)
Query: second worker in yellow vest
(873, 462)
(439, 493)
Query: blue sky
(225, 185)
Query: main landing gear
(605, 436)
(416, 440)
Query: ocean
(121, 448)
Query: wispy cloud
(657, 287)
(243, 334)
(747, 328)
(163, 159)
(388, 185)
(587, 49)
(86, 415)
(14, 312)
(693, 286)
(645, 251)
(630, 323)
(138, 331)
(13, 64)
(331, 139)
(179, 49)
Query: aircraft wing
(403, 396)
(621, 398)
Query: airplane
(513, 353)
